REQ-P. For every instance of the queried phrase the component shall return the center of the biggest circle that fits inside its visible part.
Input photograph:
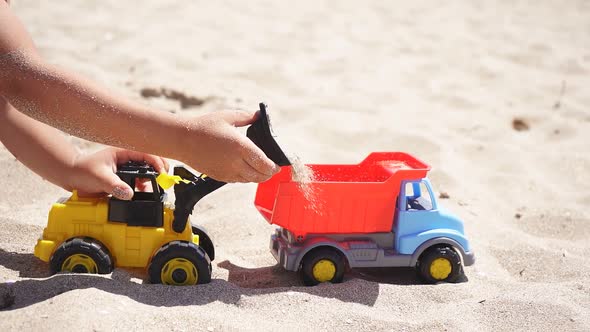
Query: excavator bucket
(260, 132)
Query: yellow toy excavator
(94, 235)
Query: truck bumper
(44, 249)
(469, 258)
(285, 255)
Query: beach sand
(493, 95)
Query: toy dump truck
(379, 213)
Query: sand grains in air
(305, 177)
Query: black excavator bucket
(261, 133)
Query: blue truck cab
(420, 219)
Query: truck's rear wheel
(439, 264)
(180, 263)
(81, 255)
(322, 265)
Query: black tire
(318, 255)
(445, 255)
(204, 241)
(93, 257)
(186, 254)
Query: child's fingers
(143, 185)
(256, 159)
(241, 179)
(251, 174)
(239, 118)
(166, 164)
(112, 184)
(159, 164)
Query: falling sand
(305, 177)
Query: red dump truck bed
(341, 198)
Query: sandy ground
(444, 81)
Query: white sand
(440, 80)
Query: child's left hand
(94, 174)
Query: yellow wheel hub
(324, 270)
(440, 268)
(179, 272)
(79, 263)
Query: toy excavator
(94, 235)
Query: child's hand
(94, 174)
(223, 153)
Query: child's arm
(46, 151)
(209, 143)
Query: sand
(493, 95)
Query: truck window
(146, 190)
(143, 185)
(418, 197)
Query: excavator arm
(188, 194)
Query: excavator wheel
(180, 263)
(81, 255)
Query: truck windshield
(146, 189)
(418, 197)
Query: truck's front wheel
(439, 264)
(180, 263)
(322, 265)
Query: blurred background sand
(493, 95)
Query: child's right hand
(212, 145)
